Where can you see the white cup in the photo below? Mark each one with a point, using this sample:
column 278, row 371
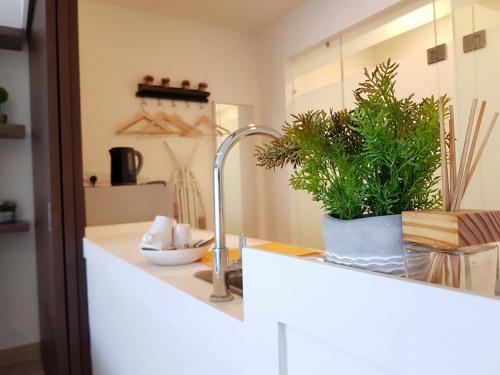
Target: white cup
column 182, row 236
column 161, row 231
column 152, row 241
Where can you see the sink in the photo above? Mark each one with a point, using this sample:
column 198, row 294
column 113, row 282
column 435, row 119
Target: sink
column 234, row 280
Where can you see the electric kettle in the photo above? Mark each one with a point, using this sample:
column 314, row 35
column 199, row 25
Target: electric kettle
column 124, row 168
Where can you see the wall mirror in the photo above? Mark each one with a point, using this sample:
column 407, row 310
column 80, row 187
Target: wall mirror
column 325, row 75
column 240, row 174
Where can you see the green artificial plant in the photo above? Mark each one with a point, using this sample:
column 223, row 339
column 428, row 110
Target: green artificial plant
column 378, row 159
column 7, row 206
column 4, row 96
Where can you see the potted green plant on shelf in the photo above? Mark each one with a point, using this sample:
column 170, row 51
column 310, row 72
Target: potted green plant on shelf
column 7, row 212
column 365, row 166
column 4, row 96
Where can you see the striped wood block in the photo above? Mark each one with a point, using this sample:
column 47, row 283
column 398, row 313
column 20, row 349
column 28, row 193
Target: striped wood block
column 451, row 230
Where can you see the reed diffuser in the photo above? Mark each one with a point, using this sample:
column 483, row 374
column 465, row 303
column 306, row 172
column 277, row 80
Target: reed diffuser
column 451, row 237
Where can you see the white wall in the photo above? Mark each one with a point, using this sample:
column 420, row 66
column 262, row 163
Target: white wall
column 18, row 288
column 309, row 24
column 13, row 13
column 118, row 46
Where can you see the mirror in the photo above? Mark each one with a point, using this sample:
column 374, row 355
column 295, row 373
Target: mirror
column 240, row 171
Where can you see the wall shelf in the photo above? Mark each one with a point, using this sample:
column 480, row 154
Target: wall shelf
column 12, row 131
column 173, row 93
column 12, row 38
column 16, row 227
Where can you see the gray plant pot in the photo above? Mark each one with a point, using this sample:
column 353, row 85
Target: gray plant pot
column 373, row 243
column 7, row 217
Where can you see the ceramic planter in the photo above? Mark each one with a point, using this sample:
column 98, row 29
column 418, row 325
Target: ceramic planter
column 7, row 217
column 373, row 243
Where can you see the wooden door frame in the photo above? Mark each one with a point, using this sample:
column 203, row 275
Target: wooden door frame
column 60, row 223
column 73, row 192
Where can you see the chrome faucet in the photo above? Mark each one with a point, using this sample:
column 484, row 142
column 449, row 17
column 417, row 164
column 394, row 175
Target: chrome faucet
column 220, row 256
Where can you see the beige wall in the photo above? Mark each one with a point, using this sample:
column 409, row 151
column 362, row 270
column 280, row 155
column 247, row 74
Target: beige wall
column 18, row 290
column 118, row 46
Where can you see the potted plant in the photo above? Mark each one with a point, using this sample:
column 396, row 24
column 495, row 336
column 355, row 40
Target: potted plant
column 365, row 166
column 4, row 96
column 7, row 212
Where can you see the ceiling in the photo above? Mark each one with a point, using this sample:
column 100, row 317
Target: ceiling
column 246, row 15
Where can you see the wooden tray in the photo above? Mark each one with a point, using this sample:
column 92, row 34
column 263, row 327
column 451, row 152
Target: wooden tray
column 451, row 230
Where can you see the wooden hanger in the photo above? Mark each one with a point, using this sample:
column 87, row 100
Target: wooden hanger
column 183, row 128
column 163, row 120
column 153, row 126
column 169, row 124
column 142, row 115
column 205, row 120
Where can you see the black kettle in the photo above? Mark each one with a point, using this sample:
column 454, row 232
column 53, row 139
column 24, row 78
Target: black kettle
column 124, row 169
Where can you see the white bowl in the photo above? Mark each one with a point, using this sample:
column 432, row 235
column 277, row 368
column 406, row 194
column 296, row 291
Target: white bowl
column 174, row 257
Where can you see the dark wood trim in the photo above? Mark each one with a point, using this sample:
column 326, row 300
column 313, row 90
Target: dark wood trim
column 12, row 38
column 57, row 165
column 73, row 193
column 47, row 183
column 57, row 169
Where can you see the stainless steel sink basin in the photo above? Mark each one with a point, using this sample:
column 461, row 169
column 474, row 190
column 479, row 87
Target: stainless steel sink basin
column 234, row 280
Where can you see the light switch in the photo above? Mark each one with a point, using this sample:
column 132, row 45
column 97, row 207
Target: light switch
column 474, row 41
column 436, row 54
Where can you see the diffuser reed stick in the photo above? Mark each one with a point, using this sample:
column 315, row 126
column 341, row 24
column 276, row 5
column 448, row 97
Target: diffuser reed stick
column 451, row 230
column 463, row 158
column 455, row 184
column 470, row 155
column 453, row 150
column 481, row 149
column 444, row 163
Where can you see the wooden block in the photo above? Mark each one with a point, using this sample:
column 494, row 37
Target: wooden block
column 451, row 230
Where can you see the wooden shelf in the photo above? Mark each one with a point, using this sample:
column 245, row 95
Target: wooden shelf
column 12, row 131
column 16, row 227
column 11, row 38
column 173, row 93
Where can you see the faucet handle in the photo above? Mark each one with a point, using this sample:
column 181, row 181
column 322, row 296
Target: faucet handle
column 242, row 244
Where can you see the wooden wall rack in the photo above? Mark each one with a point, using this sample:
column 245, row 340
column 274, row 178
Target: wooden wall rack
column 12, row 38
column 173, row 93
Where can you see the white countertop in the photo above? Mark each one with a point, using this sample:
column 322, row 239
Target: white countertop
column 122, row 241
column 301, row 317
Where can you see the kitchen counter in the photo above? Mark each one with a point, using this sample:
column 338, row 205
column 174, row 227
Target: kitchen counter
column 297, row 317
column 122, row 241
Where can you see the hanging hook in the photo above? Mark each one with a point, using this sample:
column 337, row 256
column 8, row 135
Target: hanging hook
column 173, row 103
column 143, row 104
column 160, row 104
column 187, row 104
column 201, row 106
